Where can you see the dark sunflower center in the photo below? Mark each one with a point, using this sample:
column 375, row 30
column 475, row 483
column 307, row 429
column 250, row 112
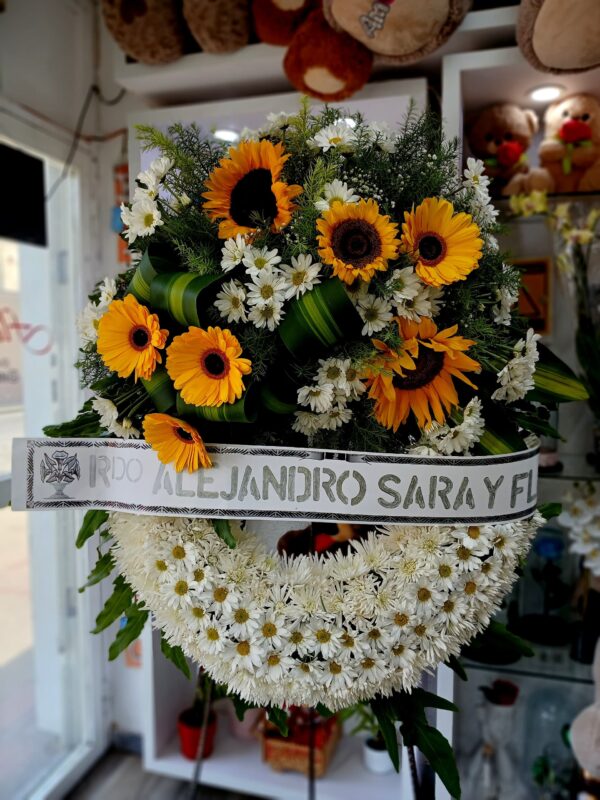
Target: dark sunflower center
column 184, row 435
column 140, row 337
column 428, row 364
column 215, row 364
column 356, row 242
column 252, row 198
column 432, row 248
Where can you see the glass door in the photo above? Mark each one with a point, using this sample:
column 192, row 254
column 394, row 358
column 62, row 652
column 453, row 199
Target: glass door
column 51, row 724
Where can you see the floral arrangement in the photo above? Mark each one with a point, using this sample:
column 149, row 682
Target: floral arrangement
column 326, row 282
column 577, row 239
column 581, row 517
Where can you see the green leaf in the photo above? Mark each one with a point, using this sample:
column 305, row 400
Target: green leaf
column 136, row 619
column 223, row 529
column 324, row 712
column 536, row 425
column 430, row 700
column 91, row 522
column 384, row 714
column 117, row 604
column 499, row 439
column 279, row 717
column 175, row 655
column 554, row 381
column 456, row 666
column 437, row 750
column 241, row 706
column 85, row 425
column 104, row 566
column 550, row 510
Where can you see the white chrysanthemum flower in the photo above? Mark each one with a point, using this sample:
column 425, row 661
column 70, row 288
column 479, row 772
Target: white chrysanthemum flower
column 160, row 166
column 273, row 630
column 275, row 667
column 475, row 538
column 106, row 410
column 306, row 422
column 326, row 638
column 266, row 316
column 108, row 290
column 461, row 437
column 257, row 259
column 180, row 202
column 277, row 120
column 87, row 323
column 249, row 135
column 333, row 371
column 355, row 386
column 416, row 307
column 336, row 191
column 475, row 176
column 338, row 135
column 246, row 654
column 375, row 312
column 435, row 295
column 516, row 377
column 380, row 134
column 211, row 638
column 506, row 300
column 150, row 185
column 233, row 252
column 109, row 414
column 334, row 418
column 266, row 287
column 404, row 284
column 142, row 219
column 301, row 275
column 318, row 397
column 230, row 301
column 338, row 675
column 357, row 290
column 125, row 429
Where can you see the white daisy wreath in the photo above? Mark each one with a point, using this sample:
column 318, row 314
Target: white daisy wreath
column 333, row 629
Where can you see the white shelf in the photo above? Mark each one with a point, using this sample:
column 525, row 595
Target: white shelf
column 258, row 68
column 238, row 766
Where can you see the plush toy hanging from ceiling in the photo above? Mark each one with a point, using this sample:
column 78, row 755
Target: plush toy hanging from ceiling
column 218, row 27
column 331, row 51
column 558, row 36
column 152, row 32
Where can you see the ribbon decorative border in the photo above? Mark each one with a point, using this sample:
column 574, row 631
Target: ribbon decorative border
column 296, row 484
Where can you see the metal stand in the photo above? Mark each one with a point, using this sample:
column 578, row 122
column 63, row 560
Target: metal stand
column 413, row 772
column 200, row 752
column 311, row 756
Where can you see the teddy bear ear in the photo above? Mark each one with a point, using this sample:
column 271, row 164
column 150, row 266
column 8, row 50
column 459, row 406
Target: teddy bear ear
column 276, row 21
column 556, row 36
column 400, row 32
column 152, row 32
column 324, row 63
column 218, row 27
column 532, row 120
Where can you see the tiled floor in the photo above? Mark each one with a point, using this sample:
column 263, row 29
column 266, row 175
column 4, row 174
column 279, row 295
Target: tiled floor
column 120, row 777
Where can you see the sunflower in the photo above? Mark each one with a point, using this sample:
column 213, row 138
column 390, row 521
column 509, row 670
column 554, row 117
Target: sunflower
column 245, row 189
column 427, row 388
column 176, row 442
column 445, row 246
column 356, row 240
column 206, row 367
column 129, row 338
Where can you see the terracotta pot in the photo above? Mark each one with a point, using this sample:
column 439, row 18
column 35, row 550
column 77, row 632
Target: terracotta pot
column 190, row 730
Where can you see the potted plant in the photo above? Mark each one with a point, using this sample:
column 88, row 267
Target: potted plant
column 375, row 755
column 198, row 723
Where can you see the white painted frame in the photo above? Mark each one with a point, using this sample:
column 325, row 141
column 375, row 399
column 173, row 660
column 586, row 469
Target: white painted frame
column 43, row 139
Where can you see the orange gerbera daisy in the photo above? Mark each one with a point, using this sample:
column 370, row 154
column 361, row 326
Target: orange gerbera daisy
column 176, row 442
column 427, row 388
column 244, row 190
column 356, row 240
column 206, row 367
column 445, row 246
column 129, row 338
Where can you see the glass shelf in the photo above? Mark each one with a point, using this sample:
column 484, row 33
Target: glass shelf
column 551, row 663
column 575, row 468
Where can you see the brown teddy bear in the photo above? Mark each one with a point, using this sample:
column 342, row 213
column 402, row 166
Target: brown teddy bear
column 150, row 31
column 276, row 21
column 500, row 136
column 219, row 26
column 570, row 150
column 560, row 35
column 324, row 63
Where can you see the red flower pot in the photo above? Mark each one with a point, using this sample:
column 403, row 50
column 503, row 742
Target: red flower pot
column 189, row 727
